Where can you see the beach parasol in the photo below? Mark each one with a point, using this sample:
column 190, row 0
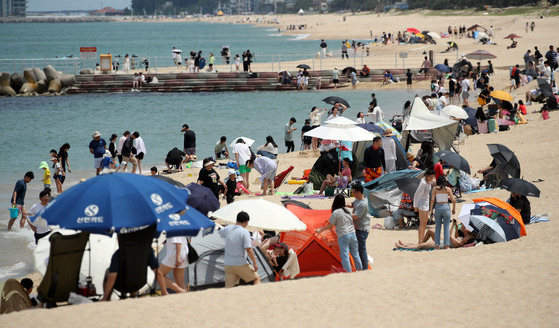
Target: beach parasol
column 111, row 202
column 408, row 185
column 454, row 159
column 487, row 229
column 188, row 224
column 452, row 44
column 502, row 95
column 454, row 111
column 519, row 186
column 344, row 132
column 333, row 99
column 413, row 30
column 169, row 180
column 434, row 35
column 304, row 66
column 349, row 69
column 510, row 225
column 202, row 198
column 263, row 215
column 248, row 141
column 506, row 159
column 480, row 55
column 177, row 51
column 475, row 27
column 442, row 68
column 512, row 36
column 371, row 127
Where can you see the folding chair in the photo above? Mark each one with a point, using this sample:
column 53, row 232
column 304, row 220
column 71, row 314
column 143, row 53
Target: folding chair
column 63, row 270
column 492, row 180
column 134, row 253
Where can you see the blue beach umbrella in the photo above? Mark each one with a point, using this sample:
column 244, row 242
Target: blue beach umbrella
column 202, row 199
column 113, row 202
column 188, row 224
column 442, row 68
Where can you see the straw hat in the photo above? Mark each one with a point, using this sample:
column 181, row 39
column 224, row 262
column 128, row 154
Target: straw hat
column 96, row 134
column 410, row 156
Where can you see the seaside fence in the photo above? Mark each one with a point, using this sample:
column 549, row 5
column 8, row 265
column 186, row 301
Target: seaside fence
column 272, row 63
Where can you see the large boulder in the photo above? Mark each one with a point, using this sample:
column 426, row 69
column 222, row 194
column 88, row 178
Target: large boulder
column 29, row 76
column 86, row 71
column 42, row 86
column 51, row 73
column 39, row 75
column 67, row 79
column 17, row 81
column 55, row 86
column 28, row 88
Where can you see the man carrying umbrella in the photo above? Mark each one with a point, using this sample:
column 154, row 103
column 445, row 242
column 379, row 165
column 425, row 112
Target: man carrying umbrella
column 237, row 246
column 373, row 160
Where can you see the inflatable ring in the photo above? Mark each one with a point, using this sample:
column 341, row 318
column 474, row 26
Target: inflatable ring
column 296, row 181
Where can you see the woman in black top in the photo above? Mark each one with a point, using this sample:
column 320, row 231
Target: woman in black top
column 209, row 178
column 522, row 205
column 112, row 146
column 63, row 157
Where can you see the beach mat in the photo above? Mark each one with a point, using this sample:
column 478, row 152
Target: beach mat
column 478, row 190
column 413, row 249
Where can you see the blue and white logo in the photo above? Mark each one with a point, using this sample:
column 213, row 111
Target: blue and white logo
column 91, row 210
column 156, row 199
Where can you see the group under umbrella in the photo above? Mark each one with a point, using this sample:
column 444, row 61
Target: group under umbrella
column 506, row 159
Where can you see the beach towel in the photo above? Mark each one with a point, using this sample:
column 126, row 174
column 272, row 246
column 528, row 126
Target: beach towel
column 291, row 267
column 539, row 218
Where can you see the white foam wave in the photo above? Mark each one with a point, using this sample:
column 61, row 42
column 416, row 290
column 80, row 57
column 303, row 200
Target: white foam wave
column 9, row 270
column 301, row 37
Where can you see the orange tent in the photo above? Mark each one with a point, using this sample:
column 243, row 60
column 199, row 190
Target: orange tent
column 506, row 206
column 316, row 255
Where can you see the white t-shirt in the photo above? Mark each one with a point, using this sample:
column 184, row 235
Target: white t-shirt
column 389, row 147
column 120, row 144
column 360, row 120
column 315, row 117
column 237, row 60
column 243, row 151
column 140, row 146
column 377, row 115
column 40, row 223
column 269, row 148
column 171, row 249
column 465, row 84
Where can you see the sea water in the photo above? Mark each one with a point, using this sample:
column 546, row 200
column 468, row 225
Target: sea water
column 32, row 126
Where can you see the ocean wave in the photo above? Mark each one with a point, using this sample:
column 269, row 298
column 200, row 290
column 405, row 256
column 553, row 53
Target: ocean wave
column 301, row 37
column 277, row 34
column 9, row 270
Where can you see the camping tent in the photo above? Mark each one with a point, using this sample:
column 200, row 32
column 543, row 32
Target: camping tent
column 383, row 195
column 359, row 147
column 209, row 270
column 316, row 254
column 327, row 163
column 301, row 12
column 442, row 129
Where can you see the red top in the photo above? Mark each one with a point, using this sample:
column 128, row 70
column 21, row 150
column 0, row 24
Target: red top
column 522, row 109
column 438, row 170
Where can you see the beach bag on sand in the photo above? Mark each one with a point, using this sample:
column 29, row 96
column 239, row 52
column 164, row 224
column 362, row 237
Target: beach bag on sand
column 545, row 115
column 389, row 223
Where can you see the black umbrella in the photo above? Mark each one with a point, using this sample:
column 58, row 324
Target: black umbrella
column 442, row 68
column 454, row 159
column 202, row 198
column 169, row 180
column 349, row 69
column 548, row 92
column 519, row 186
column 371, row 127
column 506, row 159
column 408, row 185
column 304, row 66
column 333, row 99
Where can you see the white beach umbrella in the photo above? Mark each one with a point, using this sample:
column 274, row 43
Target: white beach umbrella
column 263, row 215
column 341, row 121
column 454, row 111
column 248, row 141
column 346, row 132
column 434, row 35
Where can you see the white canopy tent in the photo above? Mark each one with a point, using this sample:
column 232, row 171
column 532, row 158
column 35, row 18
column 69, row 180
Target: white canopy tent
column 442, row 129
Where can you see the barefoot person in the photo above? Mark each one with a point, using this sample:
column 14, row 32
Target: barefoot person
column 267, row 168
column 421, row 202
column 175, row 260
column 439, row 204
column 461, row 238
column 18, row 198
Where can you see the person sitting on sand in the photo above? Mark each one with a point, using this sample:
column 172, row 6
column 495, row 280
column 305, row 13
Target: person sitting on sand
column 220, row 148
column 209, row 178
column 276, row 253
column 341, row 180
column 513, row 45
column 231, row 184
column 522, row 205
column 404, row 210
column 428, row 240
column 269, row 149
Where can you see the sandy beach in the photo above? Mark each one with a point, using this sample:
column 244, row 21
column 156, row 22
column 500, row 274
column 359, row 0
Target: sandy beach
column 501, row 285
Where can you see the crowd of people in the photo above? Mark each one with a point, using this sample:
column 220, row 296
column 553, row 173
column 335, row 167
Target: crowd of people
column 195, row 61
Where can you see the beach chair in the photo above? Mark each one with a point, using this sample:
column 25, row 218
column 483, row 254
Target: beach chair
column 134, row 253
column 280, row 178
column 63, row 269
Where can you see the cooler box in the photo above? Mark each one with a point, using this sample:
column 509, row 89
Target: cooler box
column 492, row 125
column 482, row 127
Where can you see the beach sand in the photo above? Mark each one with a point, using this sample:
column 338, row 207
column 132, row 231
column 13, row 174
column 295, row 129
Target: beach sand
column 499, row 285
